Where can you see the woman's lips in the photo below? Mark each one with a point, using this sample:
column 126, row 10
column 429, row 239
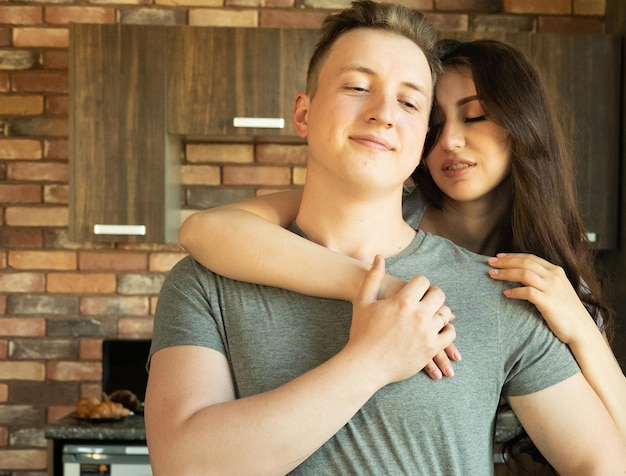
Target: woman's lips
column 454, row 169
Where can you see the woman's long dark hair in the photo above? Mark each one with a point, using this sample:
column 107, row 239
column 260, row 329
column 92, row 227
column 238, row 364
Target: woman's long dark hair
column 543, row 217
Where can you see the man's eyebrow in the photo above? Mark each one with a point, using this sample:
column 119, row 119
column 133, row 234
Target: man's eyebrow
column 371, row 72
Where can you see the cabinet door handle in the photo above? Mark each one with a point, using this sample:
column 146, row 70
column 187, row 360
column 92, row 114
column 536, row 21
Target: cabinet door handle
column 119, row 229
column 264, row 122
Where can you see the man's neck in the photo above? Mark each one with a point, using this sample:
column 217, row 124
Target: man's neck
column 357, row 226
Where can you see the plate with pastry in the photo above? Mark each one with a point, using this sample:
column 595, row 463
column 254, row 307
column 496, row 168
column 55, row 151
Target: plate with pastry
column 92, row 409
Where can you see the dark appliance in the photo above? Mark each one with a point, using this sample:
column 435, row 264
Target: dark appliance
column 124, row 365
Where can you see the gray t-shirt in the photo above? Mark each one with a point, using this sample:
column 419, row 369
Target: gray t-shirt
column 417, row 426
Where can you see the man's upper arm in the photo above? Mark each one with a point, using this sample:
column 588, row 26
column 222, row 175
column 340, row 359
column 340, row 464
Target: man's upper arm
column 572, row 429
column 182, row 381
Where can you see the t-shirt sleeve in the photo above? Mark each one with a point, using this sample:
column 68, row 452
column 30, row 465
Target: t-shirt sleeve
column 540, row 360
column 185, row 312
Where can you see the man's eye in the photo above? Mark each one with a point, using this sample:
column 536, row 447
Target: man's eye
column 358, row 89
column 476, row 119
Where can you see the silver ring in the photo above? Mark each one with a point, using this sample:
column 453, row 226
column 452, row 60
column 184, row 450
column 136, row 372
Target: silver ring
column 443, row 318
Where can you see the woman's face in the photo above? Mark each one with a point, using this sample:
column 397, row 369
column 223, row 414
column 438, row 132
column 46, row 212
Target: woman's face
column 471, row 157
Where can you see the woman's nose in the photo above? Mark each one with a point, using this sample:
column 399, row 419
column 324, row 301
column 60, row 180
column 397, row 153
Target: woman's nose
column 451, row 137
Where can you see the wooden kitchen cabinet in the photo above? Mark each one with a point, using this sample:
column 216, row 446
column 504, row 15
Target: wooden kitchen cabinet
column 218, row 75
column 129, row 82
column 583, row 73
column 122, row 162
column 138, row 92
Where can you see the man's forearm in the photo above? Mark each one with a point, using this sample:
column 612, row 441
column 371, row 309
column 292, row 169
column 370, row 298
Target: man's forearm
column 269, row 433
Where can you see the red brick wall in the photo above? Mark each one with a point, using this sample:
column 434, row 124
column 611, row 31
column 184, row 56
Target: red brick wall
column 58, row 299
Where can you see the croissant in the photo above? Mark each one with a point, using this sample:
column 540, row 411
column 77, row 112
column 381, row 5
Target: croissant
column 84, row 406
column 93, row 408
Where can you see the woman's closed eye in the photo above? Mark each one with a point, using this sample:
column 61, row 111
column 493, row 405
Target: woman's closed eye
column 475, row 119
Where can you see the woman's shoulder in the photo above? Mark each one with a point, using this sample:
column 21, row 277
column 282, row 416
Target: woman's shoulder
column 413, row 206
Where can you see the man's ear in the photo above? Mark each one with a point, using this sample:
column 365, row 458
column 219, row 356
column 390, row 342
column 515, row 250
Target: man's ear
column 300, row 115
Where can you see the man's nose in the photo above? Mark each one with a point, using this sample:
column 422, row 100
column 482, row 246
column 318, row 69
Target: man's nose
column 380, row 110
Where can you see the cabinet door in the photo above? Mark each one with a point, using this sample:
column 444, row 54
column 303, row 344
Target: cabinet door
column 218, row 76
column 122, row 185
column 583, row 74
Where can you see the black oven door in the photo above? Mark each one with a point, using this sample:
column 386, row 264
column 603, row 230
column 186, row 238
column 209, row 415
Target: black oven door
column 106, row 460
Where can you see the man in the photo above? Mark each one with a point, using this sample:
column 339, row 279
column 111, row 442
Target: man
column 248, row 379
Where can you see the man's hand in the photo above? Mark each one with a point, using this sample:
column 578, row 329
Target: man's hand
column 441, row 365
column 401, row 334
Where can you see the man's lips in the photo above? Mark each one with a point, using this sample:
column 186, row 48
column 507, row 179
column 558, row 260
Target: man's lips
column 372, row 141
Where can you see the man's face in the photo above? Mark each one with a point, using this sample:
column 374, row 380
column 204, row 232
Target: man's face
column 367, row 122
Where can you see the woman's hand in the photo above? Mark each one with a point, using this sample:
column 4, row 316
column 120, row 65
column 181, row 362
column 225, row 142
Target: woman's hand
column 441, row 365
column 547, row 287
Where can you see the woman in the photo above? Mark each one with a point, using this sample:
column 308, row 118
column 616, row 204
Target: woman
column 496, row 179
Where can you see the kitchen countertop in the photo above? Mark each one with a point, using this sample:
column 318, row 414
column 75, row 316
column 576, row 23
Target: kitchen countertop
column 73, row 428
column 132, row 428
column 507, row 426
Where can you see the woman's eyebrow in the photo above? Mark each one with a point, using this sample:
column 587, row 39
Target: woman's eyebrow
column 463, row 101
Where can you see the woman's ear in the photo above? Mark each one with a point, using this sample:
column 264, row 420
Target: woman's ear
column 300, row 115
